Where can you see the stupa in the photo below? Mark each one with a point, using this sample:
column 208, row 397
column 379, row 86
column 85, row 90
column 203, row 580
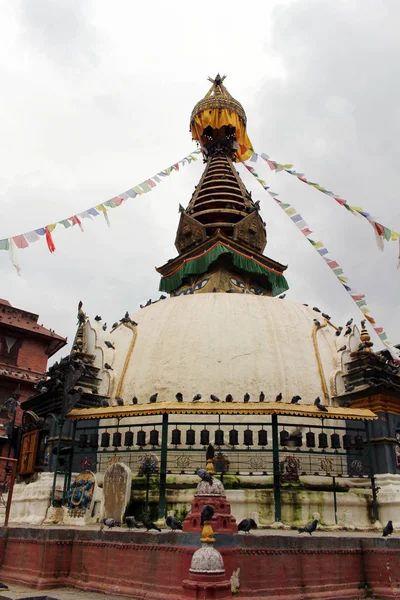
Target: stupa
column 225, row 344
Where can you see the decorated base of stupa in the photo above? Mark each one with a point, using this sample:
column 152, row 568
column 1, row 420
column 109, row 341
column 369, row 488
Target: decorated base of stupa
column 213, row 495
column 153, row 566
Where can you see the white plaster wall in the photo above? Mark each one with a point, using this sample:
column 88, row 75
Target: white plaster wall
column 219, row 344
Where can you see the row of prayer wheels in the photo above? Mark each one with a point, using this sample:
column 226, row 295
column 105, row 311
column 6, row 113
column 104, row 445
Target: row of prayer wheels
column 286, row 439
column 296, row 439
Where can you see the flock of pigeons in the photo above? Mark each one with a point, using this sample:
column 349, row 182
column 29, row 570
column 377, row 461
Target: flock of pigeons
column 207, row 514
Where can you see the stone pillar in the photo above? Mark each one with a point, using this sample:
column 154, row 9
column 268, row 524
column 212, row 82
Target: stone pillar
column 116, row 491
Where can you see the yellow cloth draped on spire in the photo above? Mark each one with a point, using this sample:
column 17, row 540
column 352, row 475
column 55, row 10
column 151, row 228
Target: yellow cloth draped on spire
column 217, row 118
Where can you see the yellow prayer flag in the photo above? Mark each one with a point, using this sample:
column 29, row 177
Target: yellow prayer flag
column 51, row 227
column 290, row 211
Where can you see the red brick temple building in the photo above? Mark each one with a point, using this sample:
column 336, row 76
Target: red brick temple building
column 25, row 347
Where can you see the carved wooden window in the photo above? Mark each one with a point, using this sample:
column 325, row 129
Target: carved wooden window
column 9, row 347
column 29, row 446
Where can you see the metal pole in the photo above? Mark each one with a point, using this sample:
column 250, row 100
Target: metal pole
column 14, row 463
column 163, row 467
column 334, row 498
column 371, row 466
column 275, row 457
column 68, row 473
column 146, row 506
column 60, row 423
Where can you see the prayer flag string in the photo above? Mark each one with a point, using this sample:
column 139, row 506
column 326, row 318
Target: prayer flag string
column 302, row 225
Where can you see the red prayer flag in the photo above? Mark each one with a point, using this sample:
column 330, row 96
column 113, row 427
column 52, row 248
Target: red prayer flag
column 271, row 164
column 378, row 227
column 340, row 200
column 370, row 319
column 117, row 201
column 20, row 241
column 302, row 179
column 49, row 241
column 333, row 264
column 74, row 220
column 378, row 330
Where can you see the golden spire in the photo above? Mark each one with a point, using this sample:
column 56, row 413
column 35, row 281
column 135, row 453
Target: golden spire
column 219, row 119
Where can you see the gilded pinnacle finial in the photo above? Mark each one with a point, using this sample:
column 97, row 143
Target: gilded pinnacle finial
column 218, row 79
column 366, row 343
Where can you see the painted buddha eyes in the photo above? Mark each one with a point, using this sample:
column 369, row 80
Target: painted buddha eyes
column 200, row 284
column 237, row 282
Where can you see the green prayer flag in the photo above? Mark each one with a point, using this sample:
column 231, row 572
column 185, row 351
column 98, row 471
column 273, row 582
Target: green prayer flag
column 387, row 234
column 4, row 244
column 66, row 223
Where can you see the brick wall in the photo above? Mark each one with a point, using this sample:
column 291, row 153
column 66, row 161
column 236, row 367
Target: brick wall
column 153, row 566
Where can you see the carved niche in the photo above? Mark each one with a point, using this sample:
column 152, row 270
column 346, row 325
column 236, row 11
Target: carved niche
column 190, row 232
column 251, row 231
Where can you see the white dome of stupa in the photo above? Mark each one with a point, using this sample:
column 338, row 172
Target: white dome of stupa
column 220, row 344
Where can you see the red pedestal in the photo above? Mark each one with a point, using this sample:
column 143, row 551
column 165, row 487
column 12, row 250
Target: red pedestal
column 222, row 521
column 201, row 586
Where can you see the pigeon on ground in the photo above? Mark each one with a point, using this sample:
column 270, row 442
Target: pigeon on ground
column 363, row 322
column 104, row 403
column 120, row 401
column 109, row 367
column 350, row 388
column 316, row 309
column 114, row 325
column 97, row 318
column 247, row 524
column 349, row 322
column 179, row 397
column 388, row 529
column 327, row 317
column 207, row 513
column 3, row 586
column 261, row 397
column 214, row 398
column 162, row 297
column 134, row 400
column 95, row 391
column 279, row 397
column 173, row 523
column 310, row 527
column 246, row 397
column 149, row 524
column 317, row 323
column 104, row 328
column 109, row 344
column 111, row 523
column 295, row 399
column 197, row 397
column 348, row 331
column 317, row 403
column 282, row 297
column 181, row 209
column 153, row 398
column 338, row 332
column 343, row 348
column 132, row 523
column 205, row 475
column 229, row 398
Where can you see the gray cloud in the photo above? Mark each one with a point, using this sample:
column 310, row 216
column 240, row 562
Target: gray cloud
column 317, row 80
column 61, row 30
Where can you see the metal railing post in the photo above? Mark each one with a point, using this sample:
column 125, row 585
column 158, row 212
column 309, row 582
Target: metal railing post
column 371, row 466
column 275, row 457
column 163, row 467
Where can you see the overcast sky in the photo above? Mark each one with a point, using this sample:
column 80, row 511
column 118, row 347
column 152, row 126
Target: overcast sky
column 96, row 97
